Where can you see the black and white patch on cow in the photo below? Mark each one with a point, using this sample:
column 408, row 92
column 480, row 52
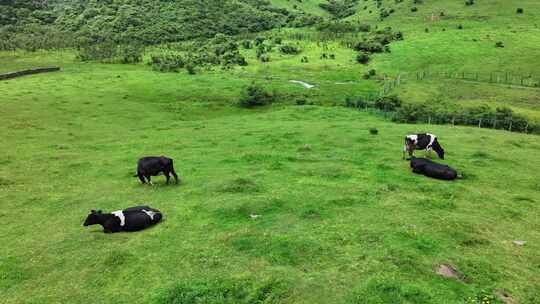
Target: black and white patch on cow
column 423, row 141
column 153, row 166
column 432, row 169
column 130, row 219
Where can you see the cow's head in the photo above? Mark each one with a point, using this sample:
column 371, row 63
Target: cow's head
column 440, row 152
column 93, row 218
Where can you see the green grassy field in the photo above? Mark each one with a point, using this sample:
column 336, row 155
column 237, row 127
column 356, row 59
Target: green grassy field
column 342, row 218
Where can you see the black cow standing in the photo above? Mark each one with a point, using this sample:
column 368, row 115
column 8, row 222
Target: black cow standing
column 432, row 169
column 424, row 141
column 153, row 166
column 131, row 219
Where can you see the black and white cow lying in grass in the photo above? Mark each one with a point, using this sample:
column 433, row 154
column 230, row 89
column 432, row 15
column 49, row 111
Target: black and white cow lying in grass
column 432, row 169
column 153, row 166
column 424, row 141
column 131, row 219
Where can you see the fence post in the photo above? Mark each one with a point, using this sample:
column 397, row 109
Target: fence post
column 453, row 121
column 506, row 80
column 494, row 123
column 490, row 77
column 480, row 123
column 510, row 128
column 462, row 75
column 429, row 120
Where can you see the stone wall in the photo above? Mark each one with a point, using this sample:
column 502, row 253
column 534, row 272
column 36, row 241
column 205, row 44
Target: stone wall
column 28, row 72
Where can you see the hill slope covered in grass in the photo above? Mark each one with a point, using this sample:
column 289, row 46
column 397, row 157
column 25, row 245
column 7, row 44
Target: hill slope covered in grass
column 449, row 37
column 341, row 219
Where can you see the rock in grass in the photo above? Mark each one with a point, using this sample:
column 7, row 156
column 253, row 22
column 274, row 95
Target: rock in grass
column 505, row 297
column 448, row 271
column 519, row 243
column 305, row 148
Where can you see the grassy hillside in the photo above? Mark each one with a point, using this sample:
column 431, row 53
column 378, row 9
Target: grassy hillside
column 447, row 48
column 342, row 218
column 309, row 6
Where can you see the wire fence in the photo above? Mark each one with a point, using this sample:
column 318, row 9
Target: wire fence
column 507, row 78
column 511, row 124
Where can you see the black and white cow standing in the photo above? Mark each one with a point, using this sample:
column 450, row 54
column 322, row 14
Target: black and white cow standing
column 130, row 219
column 423, row 141
column 153, row 166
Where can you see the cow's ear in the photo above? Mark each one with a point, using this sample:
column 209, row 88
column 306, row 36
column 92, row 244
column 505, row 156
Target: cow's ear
column 99, row 211
column 92, row 211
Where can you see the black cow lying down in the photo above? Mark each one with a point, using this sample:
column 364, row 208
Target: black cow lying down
column 153, row 166
column 432, row 169
column 131, row 219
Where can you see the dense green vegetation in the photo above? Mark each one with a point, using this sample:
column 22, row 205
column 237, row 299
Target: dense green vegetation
column 40, row 24
column 286, row 121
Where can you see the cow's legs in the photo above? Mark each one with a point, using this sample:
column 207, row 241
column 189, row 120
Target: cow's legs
column 149, row 180
column 141, row 177
column 167, row 176
column 175, row 176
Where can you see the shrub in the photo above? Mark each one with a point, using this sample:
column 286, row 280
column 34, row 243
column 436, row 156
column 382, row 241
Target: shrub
column 369, row 47
column 364, row 27
column 259, row 40
column 469, row 2
column 264, row 58
column 289, row 49
column 104, row 51
column 255, row 95
column 499, row 44
column 357, row 102
column 388, row 103
column 369, row 74
column 520, row 11
column 414, row 9
column 233, row 58
column 301, row 102
column 247, row 44
column 362, row 58
column 167, row 62
column 373, row 131
column 190, row 67
column 261, row 49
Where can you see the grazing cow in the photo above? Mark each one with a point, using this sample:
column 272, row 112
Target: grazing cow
column 425, row 141
column 131, row 219
column 153, row 166
column 432, row 169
